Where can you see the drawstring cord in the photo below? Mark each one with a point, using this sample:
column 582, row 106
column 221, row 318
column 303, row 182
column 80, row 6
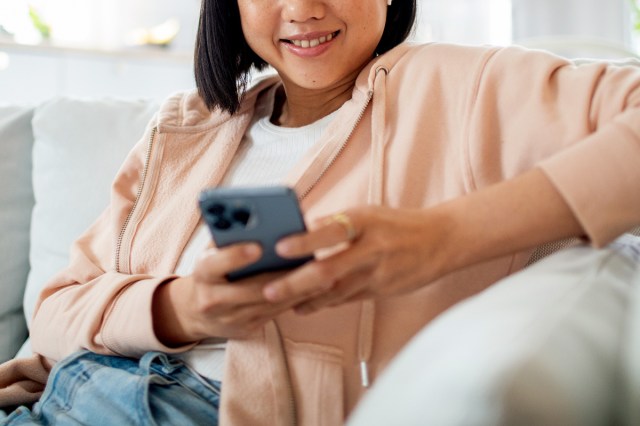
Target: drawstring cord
column 365, row 339
column 375, row 198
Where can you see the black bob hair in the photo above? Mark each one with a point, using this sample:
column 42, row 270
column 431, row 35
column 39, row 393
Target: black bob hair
column 223, row 59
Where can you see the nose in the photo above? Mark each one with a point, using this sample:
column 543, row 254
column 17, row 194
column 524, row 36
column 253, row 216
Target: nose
column 303, row 10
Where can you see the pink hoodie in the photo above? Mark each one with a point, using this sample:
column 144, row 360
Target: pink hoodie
column 425, row 124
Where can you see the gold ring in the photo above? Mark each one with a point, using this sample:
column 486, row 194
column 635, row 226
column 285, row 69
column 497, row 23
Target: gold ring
column 346, row 223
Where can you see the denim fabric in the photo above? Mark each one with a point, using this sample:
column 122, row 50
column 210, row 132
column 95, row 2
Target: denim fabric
column 91, row 389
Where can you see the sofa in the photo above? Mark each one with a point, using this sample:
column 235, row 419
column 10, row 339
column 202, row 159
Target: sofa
column 57, row 162
column 56, row 169
column 555, row 344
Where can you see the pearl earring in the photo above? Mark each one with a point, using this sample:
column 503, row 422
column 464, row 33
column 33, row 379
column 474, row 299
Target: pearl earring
column 389, row 2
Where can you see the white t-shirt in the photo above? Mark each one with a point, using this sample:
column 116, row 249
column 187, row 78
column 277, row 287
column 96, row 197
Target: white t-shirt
column 265, row 156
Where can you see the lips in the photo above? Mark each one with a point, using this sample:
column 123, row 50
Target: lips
column 307, row 43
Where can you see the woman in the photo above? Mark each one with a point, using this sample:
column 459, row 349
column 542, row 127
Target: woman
column 426, row 173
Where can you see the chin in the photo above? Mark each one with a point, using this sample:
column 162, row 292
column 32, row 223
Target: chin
column 314, row 82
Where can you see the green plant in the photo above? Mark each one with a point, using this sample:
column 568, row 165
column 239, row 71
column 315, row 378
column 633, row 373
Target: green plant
column 43, row 28
column 635, row 10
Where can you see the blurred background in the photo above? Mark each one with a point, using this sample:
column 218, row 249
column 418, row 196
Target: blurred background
column 143, row 48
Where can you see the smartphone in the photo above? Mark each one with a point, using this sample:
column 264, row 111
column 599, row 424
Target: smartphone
column 263, row 215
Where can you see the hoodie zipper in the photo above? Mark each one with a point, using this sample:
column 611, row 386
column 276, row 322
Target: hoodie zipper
column 302, row 195
column 306, row 192
column 147, row 161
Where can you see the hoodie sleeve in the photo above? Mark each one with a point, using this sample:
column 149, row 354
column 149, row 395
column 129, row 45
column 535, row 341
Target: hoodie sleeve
column 73, row 310
column 579, row 123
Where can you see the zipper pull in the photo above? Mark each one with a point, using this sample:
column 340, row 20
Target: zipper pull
column 364, row 374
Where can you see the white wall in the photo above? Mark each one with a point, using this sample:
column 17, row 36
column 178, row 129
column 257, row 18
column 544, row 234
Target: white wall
column 605, row 19
column 464, row 21
column 105, row 23
column 33, row 75
column 575, row 28
column 97, row 64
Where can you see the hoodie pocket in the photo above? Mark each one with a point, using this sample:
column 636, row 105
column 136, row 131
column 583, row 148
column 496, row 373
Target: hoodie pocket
column 318, row 383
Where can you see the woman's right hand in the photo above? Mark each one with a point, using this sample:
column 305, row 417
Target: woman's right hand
column 205, row 304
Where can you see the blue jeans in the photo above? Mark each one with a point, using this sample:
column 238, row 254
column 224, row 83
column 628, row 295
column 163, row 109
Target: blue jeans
column 91, row 389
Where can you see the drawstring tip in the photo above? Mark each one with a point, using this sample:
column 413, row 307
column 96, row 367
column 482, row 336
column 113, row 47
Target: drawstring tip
column 364, row 374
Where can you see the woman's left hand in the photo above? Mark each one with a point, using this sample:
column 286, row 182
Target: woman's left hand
column 393, row 251
column 385, row 251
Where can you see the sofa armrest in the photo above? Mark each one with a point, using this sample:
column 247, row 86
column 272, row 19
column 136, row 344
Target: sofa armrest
column 542, row 346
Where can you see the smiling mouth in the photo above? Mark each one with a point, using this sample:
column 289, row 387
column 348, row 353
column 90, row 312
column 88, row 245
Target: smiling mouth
column 314, row 42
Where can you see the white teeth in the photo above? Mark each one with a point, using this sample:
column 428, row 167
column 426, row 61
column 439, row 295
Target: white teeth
column 312, row 43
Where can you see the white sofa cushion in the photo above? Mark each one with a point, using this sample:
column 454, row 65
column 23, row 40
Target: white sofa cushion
column 629, row 371
column 16, row 201
column 79, row 146
column 539, row 347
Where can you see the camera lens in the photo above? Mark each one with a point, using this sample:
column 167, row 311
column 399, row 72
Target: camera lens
column 222, row 224
column 216, row 209
column 241, row 215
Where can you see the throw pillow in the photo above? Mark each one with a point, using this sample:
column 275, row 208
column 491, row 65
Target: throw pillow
column 79, row 147
column 16, row 201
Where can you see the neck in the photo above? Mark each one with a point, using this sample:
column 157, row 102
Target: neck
column 296, row 106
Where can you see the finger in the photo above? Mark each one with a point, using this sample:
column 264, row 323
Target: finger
column 343, row 292
column 256, row 317
column 248, row 318
column 260, row 312
column 325, row 232
column 214, row 264
column 224, row 297
column 235, row 295
column 316, row 276
column 314, row 305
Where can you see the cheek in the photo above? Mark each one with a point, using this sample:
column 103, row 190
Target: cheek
column 370, row 21
column 378, row 21
column 253, row 21
column 370, row 32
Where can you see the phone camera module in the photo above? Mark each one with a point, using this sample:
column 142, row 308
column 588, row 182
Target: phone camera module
column 222, row 224
column 216, row 209
column 241, row 216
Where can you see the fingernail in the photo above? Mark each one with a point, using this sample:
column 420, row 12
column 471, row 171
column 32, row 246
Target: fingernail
column 271, row 293
column 283, row 248
column 252, row 250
